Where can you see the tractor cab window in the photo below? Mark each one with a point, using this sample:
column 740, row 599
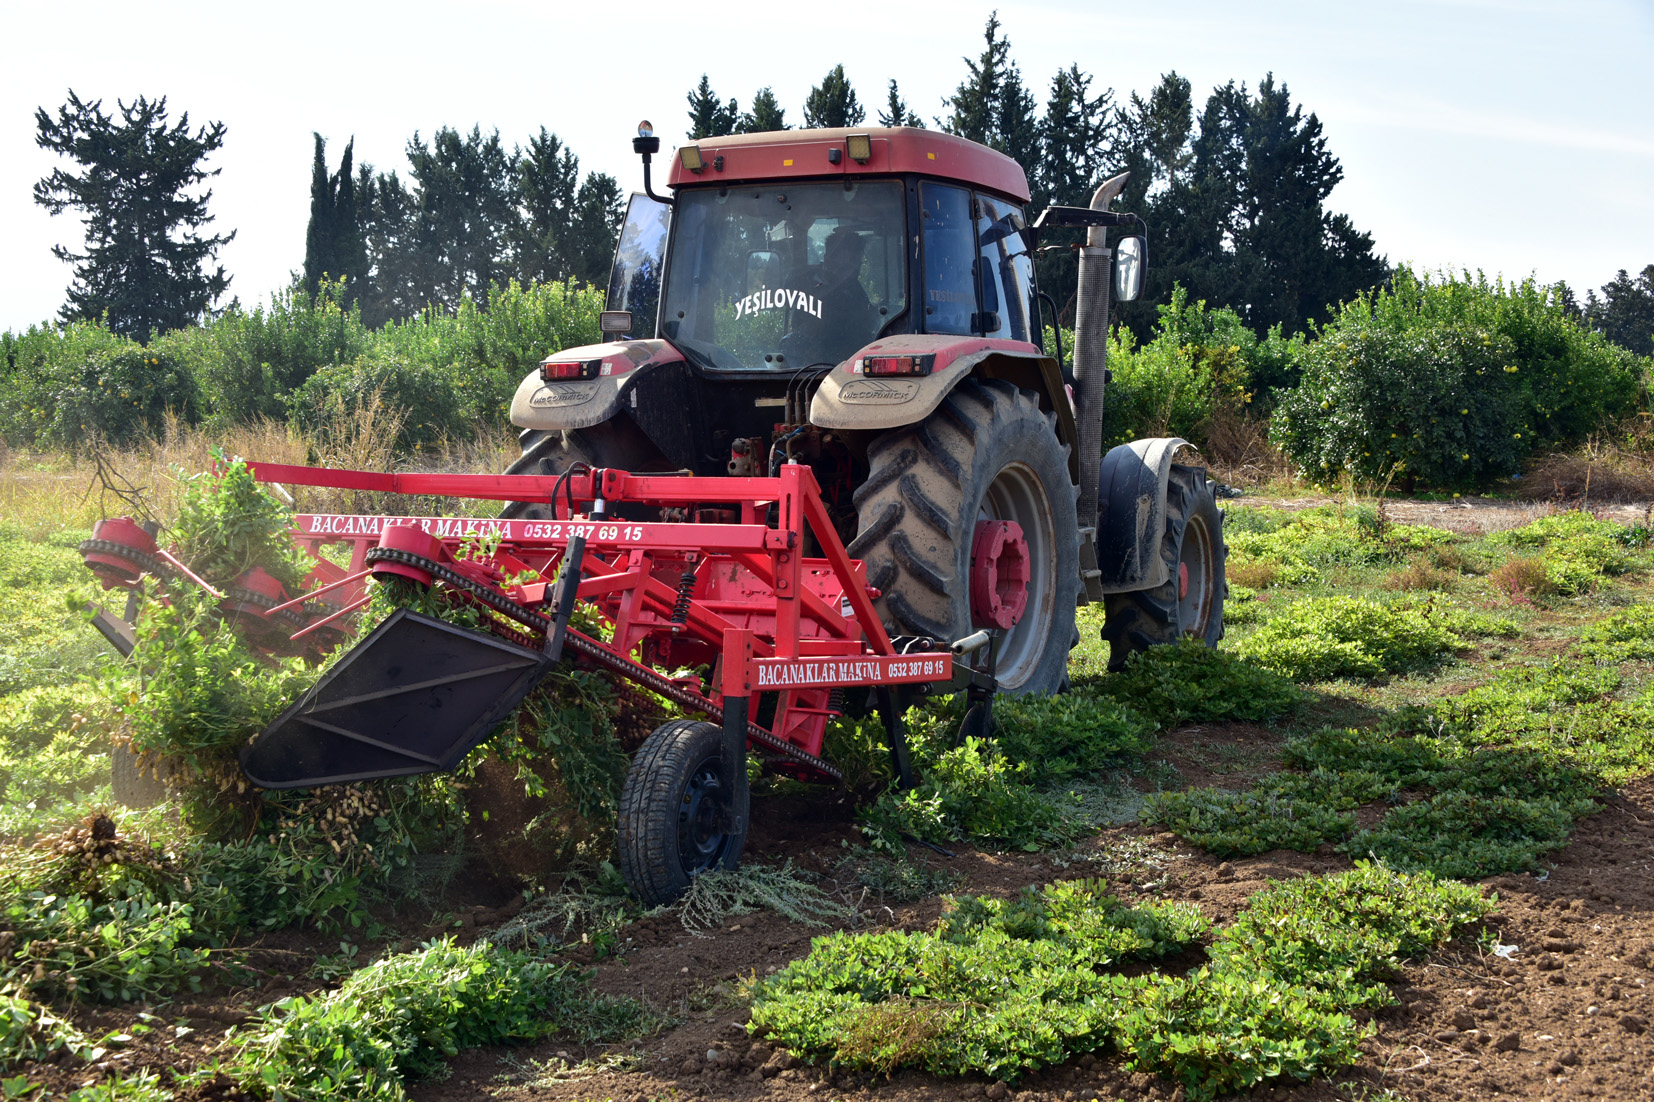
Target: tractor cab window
column 634, row 281
column 1006, row 272
column 784, row 278
column 950, row 255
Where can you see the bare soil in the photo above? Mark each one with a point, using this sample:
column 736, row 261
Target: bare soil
column 1555, row 1004
column 1563, row 1014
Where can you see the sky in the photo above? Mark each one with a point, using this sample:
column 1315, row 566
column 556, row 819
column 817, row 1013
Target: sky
column 1509, row 136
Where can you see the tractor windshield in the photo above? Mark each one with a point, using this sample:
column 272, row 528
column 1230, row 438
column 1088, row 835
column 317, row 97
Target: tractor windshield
column 784, row 278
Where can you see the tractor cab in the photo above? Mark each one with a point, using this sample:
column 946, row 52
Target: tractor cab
column 792, row 251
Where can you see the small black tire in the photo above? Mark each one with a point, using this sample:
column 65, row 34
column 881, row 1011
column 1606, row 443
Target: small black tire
column 988, row 452
column 673, row 811
column 1193, row 539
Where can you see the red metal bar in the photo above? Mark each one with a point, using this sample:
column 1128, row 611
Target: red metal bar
column 187, row 572
column 314, row 593
column 346, row 611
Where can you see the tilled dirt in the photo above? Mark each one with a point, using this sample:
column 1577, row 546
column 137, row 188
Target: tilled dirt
column 1555, row 1003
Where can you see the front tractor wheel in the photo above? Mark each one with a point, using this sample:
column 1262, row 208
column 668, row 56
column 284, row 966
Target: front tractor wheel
column 675, row 819
column 929, row 507
column 1190, row 602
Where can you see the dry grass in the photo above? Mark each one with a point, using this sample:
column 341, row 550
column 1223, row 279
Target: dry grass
column 1614, row 467
column 46, row 492
column 1240, row 453
column 1252, row 575
column 1522, row 578
column 1419, row 575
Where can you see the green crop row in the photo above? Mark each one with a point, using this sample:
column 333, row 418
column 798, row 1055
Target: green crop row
column 1004, row 987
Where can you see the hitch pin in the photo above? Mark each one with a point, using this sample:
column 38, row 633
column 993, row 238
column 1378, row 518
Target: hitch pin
column 974, row 641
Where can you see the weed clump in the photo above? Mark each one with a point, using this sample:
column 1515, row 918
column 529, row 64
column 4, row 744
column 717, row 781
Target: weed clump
column 1319, row 639
column 1626, row 636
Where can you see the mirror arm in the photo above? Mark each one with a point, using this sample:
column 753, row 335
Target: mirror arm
column 649, row 191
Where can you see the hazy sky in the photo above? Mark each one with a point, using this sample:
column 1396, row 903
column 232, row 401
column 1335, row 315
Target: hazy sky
column 1512, row 136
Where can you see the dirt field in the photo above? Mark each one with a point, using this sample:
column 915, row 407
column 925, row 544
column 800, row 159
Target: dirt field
column 1556, row 1004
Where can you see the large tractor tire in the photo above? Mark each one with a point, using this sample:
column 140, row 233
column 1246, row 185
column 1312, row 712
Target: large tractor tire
column 672, row 822
column 1190, row 601
column 988, row 452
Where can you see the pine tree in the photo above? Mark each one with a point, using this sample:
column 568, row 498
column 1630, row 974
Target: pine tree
column 896, row 112
column 467, row 214
column 766, row 114
column 1294, row 258
column 976, row 102
column 598, row 211
column 1625, row 313
column 145, row 263
column 832, row 103
column 1017, row 126
column 1076, row 137
column 708, row 118
column 548, row 174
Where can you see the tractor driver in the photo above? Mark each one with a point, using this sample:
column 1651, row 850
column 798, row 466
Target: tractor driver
column 846, row 318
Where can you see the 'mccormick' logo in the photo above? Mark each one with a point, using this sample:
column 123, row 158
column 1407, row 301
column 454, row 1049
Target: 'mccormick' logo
column 562, row 394
column 877, row 392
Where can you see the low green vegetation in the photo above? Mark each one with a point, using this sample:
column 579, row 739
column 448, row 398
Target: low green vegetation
column 1004, row 987
column 403, row 1016
column 446, row 373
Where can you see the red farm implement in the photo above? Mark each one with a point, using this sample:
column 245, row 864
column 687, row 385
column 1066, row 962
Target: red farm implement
column 752, row 586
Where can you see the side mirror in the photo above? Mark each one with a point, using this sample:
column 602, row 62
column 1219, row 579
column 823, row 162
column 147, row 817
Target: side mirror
column 615, row 321
column 1129, row 258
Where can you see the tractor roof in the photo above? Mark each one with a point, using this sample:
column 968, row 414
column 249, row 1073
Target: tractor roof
column 802, row 154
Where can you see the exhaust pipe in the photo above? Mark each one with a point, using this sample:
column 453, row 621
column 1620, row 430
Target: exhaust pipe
column 1091, row 350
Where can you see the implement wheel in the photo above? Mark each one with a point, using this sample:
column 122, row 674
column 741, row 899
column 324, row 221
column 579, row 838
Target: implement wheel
column 989, row 453
column 674, row 814
column 1190, row 602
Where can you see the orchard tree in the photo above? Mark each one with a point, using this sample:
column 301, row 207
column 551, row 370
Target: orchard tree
column 147, row 264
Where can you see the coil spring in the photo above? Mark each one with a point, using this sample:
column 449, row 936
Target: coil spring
column 686, row 592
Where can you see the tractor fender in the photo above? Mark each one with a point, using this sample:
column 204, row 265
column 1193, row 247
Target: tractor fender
column 581, row 403
column 1131, row 513
column 849, row 399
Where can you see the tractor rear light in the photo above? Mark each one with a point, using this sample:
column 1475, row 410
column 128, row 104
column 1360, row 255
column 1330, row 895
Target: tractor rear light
column 897, row 365
column 690, row 157
column 575, row 369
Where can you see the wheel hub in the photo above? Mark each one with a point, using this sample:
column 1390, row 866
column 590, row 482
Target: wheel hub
column 999, row 574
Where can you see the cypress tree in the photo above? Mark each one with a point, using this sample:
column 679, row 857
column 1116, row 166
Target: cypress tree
column 318, row 237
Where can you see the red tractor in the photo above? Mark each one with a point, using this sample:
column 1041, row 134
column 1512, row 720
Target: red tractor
column 863, row 301
column 825, row 459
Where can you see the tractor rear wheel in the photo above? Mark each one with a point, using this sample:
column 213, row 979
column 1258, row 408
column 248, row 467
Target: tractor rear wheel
column 987, row 453
column 1190, row 601
column 674, row 816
